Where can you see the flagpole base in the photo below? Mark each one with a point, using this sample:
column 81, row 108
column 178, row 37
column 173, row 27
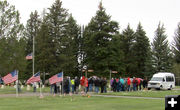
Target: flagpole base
column 41, row 96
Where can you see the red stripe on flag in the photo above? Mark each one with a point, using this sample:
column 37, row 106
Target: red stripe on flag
column 33, row 79
column 9, row 79
column 55, row 79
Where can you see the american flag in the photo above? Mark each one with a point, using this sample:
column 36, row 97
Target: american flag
column 34, row 78
column 56, row 78
column 29, row 56
column 11, row 77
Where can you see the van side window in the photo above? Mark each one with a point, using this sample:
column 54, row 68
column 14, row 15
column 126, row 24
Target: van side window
column 167, row 79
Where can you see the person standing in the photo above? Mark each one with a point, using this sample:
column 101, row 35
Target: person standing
column 66, row 85
column 134, row 84
column 76, row 87
column 34, row 87
column 114, row 85
column 111, row 83
column 72, row 85
column 97, row 84
column 145, row 82
column 90, row 82
column 129, row 84
column 86, row 85
column 121, row 84
column 105, row 85
column 58, row 87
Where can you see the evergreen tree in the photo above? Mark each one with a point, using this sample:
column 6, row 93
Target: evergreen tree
column 71, row 50
column 162, row 57
column 177, row 44
column 127, row 38
column 142, row 51
column 44, row 50
column 57, row 22
column 99, row 35
column 32, row 28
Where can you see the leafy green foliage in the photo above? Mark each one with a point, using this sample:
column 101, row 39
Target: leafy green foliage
column 12, row 43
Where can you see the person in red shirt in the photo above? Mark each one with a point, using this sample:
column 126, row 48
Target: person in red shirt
column 129, row 84
column 82, row 82
column 86, row 84
column 137, row 83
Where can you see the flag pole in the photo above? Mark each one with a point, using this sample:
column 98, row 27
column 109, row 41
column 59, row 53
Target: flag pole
column 40, row 92
column 41, row 96
column 33, row 52
column 17, row 84
column 62, row 83
column 110, row 80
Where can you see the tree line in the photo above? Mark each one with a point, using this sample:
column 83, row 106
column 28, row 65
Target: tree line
column 63, row 45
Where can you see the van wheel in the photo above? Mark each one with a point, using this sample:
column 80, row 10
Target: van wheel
column 170, row 88
column 161, row 87
column 149, row 88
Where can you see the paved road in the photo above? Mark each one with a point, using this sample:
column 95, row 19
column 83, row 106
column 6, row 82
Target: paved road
column 48, row 94
column 24, row 94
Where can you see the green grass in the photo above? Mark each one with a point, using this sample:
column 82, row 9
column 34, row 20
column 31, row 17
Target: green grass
column 12, row 90
column 79, row 103
column 177, row 87
column 153, row 93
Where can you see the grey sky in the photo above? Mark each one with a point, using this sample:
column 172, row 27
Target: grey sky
column 148, row 12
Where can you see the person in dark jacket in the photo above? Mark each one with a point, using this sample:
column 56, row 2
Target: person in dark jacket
column 97, row 84
column 105, row 85
column 145, row 82
column 114, row 85
column 90, row 82
column 76, row 86
column 66, row 85
column 102, row 84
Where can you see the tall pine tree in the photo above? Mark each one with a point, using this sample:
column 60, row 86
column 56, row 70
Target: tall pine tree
column 99, row 35
column 44, row 50
column 71, row 50
column 177, row 44
column 127, row 38
column 162, row 58
column 57, row 22
column 31, row 31
column 142, row 51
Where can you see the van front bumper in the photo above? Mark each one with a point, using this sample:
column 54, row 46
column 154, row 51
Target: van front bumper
column 157, row 86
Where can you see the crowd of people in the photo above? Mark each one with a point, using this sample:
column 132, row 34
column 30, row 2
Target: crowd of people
column 94, row 84
column 128, row 84
column 98, row 85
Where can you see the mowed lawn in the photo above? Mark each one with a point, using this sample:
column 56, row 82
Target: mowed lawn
column 79, row 103
column 147, row 93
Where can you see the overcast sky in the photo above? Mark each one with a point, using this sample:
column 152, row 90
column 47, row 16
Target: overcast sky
column 148, row 12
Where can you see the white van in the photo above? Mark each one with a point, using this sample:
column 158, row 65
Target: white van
column 162, row 80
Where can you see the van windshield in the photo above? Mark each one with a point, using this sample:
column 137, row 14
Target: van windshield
column 157, row 79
